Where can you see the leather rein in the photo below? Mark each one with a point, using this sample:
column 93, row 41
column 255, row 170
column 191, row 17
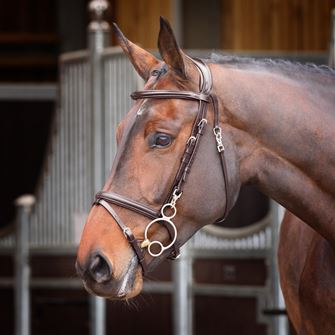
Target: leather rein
column 168, row 209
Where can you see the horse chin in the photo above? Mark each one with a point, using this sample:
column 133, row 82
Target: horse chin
column 126, row 287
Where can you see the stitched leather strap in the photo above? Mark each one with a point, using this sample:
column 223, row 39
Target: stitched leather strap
column 127, row 233
column 132, row 205
column 103, row 198
column 165, row 94
column 222, row 160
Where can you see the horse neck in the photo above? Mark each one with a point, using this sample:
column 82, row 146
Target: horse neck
column 283, row 132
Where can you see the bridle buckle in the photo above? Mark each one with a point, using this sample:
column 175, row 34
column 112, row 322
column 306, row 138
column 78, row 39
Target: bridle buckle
column 201, row 124
column 218, row 137
column 126, row 232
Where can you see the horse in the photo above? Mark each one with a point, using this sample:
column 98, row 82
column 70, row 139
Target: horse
column 197, row 132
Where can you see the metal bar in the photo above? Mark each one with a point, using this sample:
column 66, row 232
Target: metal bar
column 157, row 288
column 229, row 290
column 182, row 296
column 229, row 253
column 57, row 250
column 52, row 283
column 74, row 56
column 331, row 56
column 29, row 92
column 24, row 206
column 279, row 324
column 98, row 315
column 99, row 38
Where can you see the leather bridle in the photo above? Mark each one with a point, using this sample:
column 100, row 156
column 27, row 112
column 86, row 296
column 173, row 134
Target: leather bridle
column 168, row 209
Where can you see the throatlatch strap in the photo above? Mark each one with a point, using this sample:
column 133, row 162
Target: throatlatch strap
column 222, row 159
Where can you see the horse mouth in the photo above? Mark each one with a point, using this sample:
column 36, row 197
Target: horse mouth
column 125, row 287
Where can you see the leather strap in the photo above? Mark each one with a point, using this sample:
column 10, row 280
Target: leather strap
column 132, row 205
column 222, row 160
column 103, row 198
column 127, row 233
column 165, row 94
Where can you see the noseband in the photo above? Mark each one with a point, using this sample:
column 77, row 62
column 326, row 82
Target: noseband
column 169, row 210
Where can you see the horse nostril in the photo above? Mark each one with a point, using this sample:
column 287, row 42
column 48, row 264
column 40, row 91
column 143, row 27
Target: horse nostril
column 100, row 269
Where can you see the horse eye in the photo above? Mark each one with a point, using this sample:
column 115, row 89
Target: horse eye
column 161, row 140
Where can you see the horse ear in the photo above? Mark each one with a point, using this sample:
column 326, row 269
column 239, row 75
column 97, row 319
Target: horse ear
column 169, row 49
column 142, row 60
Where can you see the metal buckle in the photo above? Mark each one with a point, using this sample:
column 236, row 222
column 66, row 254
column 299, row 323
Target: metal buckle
column 174, row 256
column 126, row 231
column 202, row 123
column 218, row 136
column 175, row 196
column 190, row 139
column 220, row 148
column 217, row 131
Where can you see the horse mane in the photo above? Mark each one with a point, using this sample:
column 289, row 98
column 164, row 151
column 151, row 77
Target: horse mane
column 322, row 74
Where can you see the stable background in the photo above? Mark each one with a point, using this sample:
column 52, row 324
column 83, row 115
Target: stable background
column 33, row 33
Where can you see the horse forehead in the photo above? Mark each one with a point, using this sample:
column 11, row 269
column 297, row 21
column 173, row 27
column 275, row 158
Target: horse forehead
column 164, row 109
column 156, row 110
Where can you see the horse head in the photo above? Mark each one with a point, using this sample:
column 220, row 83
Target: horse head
column 171, row 174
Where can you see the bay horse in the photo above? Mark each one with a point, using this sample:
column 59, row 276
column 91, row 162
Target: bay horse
column 198, row 131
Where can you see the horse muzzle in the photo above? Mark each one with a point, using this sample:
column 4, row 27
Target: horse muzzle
column 99, row 278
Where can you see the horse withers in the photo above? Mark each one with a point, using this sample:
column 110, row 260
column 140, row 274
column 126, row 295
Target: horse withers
column 198, row 131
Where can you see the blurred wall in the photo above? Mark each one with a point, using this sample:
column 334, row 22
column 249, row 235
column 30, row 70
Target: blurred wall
column 302, row 25
column 283, row 25
column 139, row 20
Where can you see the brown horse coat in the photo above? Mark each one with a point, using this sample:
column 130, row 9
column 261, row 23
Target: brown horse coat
column 307, row 273
column 278, row 124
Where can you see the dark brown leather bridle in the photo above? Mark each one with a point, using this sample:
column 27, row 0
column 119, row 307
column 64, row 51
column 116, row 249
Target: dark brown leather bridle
column 168, row 209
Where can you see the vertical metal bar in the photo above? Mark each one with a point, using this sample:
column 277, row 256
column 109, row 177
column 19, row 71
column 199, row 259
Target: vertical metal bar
column 98, row 315
column 88, row 134
column 279, row 324
column 98, row 38
column 65, row 99
column 182, row 294
column 24, row 206
column 331, row 59
column 108, row 111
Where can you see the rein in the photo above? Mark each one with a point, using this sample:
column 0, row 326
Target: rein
column 169, row 210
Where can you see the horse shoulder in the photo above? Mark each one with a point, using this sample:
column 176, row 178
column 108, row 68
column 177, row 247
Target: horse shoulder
column 307, row 277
